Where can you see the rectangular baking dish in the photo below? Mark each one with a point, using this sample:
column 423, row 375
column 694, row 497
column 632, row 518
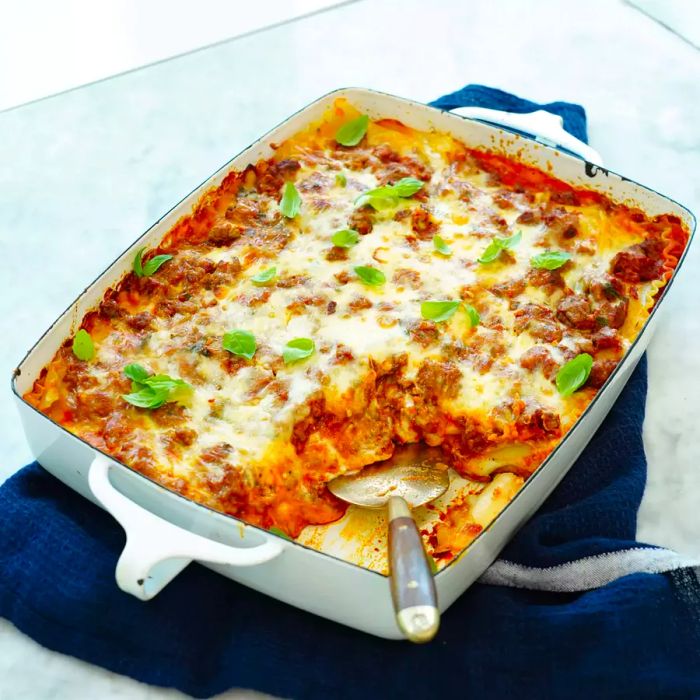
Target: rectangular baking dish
column 165, row 531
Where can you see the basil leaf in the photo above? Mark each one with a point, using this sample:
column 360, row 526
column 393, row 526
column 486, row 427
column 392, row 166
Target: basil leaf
column 290, row 204
column 137, row 267
column 152, row 391
column 241, row 343
column 346, row 238
column 152, row 265
column 370, row 275
column 407, row 186
column 298, row 349
column 550, row 259
column 573, row 374
column 341, row 180
column 280, row 533
column 264, row 277
column 438, row 310
column 351, row 133
column 136, row 373
column 388, row 196
column 473, row 314
column 441, row 247
column 493, row 250
column 147, row 397
column 83, row 347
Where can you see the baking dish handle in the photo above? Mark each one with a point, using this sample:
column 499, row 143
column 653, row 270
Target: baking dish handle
column 547, row 128
column 156, row 550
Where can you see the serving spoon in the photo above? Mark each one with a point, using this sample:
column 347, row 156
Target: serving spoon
column 414, row 476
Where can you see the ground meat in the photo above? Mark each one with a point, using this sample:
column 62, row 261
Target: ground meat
column 535, row 420
column 109, row 308
column 529, row 218
column 538, row 321
column 360, row 303
column 612, row 313
column 600, row 371
column 272, row 175
column 300, row 304
column 332, row 306
column 392, row 166
column 253, row 299
column 509, row 289
column 424, row 333
column 343, row 355
column 218, row 454
column 539, row 357
column 438, row 380
column 223, row 274
column 567, row 197
column 639, row 263
column 184, row 436
column 342, row 277
column 291, row 281
column 539, row 277
column 607, row 338
column 140, row 322
column 337, row 253
column 94, row 403
column 362, row 220
column 223, row 234
column 270, row 239
column 575, row 311
column 563, row 225
column 244, row 212
column 406, row 277
column 316, row 182
column 502, row 201
column 422, row 223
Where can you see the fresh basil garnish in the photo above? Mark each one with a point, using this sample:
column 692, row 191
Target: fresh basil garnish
column 152, row 390
column 388, row 196
column 370, row 275
column 341, row 180
column 473, row 314
column 151, row 266
column 346, row 238
column 280, row 533
column 493, row 250
column 439, row 310
column 441, row 247
column 290, row 204
column 83, row 347
column 264, row 277
column 298, row 349
column 351, row 133
column 241, row 343
column 550, row 259
column 573, row 374
column 137, row 373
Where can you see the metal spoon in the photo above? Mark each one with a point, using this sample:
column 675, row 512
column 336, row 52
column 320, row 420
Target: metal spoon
column 414, row 476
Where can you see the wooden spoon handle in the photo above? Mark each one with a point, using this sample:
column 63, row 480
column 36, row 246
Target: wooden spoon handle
column 412, row 584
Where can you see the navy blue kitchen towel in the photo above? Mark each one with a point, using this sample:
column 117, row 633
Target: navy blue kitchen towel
column 574, row 609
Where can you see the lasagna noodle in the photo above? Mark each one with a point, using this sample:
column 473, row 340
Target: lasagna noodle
column 258, row 438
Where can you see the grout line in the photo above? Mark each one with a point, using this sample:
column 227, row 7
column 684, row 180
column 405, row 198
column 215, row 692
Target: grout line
column 244, row 35
column 656, row 20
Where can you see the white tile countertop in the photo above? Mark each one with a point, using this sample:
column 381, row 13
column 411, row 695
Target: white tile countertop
column 83, row 173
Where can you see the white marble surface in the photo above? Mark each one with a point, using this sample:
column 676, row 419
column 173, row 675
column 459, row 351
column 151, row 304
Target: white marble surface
column 83, row 173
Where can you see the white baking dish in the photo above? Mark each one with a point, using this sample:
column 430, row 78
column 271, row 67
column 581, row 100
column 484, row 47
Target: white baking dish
column 165, row 531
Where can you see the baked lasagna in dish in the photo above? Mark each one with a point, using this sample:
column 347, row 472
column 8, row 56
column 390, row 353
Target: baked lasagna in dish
column 368, row 286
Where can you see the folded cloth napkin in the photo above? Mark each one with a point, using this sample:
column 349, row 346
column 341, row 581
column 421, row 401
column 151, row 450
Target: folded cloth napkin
column 579, row 608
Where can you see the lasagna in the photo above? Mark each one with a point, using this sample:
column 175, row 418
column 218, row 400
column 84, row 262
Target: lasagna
column 370, row 285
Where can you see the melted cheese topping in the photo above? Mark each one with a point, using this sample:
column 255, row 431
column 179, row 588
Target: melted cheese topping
column 259, row 439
